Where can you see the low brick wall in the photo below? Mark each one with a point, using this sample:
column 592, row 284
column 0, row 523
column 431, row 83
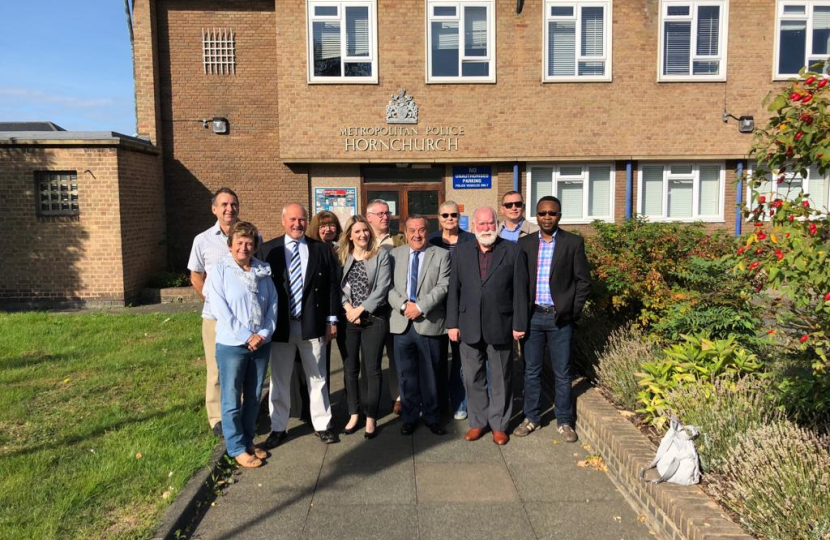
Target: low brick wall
column 171, row 295
column 675, row 512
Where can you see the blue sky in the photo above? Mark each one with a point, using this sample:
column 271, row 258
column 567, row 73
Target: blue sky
column 67, row 61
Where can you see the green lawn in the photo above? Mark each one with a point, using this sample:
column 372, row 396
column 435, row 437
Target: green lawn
column 100, row 415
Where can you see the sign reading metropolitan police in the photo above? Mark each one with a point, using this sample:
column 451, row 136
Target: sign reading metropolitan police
column 471, row 178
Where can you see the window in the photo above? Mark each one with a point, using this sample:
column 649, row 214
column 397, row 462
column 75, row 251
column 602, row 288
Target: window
column 681, row 192
column 693, row 40
column 460, row 42
column 219, row 52
column 816, row 187
column 802, row 36
column 57, row 193
column 577, row 41
column 342, row 44
column 586, row 191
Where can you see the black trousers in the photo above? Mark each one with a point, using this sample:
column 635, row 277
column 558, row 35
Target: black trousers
column 369, row 338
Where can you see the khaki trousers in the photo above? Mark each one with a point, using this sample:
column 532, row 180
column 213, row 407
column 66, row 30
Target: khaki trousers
column 213, row 402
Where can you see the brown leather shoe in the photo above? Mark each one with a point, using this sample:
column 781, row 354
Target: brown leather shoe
column 396, row 408
column 474, row 434
column 500, row 438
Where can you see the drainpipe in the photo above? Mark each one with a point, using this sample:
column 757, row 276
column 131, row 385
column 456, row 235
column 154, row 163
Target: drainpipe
column 739, row 199
column 629, row 183
column 515, row 177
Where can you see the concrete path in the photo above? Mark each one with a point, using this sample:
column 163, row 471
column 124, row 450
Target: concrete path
column 422, row 487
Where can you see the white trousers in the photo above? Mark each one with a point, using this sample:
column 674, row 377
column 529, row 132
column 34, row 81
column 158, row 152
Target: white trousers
column 313, row 356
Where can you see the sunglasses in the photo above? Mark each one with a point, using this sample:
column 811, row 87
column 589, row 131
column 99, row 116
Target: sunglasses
column 546, row 214
column 450, row 215
column 518, row 204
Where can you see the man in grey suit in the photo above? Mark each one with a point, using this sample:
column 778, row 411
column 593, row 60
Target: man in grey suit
column 487, row 308
column 421, row 276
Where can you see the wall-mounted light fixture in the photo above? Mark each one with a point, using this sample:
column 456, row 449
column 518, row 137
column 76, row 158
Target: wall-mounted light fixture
column 746, row 124
column 220, row 125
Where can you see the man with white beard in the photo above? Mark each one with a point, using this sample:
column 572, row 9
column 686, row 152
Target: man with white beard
column 487, row 308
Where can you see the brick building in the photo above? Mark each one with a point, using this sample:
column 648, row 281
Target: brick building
column 84, row 220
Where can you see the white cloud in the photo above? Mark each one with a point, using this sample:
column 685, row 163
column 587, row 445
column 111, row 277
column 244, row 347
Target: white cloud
column 29, row 96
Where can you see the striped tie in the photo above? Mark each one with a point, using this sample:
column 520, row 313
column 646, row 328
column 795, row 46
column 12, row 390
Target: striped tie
column 295, row 272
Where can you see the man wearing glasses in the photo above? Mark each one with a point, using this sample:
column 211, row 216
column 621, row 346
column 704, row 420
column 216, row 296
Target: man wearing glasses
column 378, row 216
column 559, row 285
column 514, row 225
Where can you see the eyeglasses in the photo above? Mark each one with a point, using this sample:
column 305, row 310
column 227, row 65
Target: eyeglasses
column 517, row 204
column 450, row 215
column 381, row 213
column 546, row 214
column 329, row 226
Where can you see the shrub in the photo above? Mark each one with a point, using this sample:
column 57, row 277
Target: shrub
column 777, row 479
column 635, row 264
column 591, row 339
column 163, row 280
column 627, row 349
column 696, row 360
column 723, row 411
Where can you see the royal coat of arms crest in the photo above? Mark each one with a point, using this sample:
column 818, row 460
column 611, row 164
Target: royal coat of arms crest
column 401, row 109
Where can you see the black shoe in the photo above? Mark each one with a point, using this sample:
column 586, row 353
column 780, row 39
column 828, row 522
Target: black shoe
column 274, row 439
column 372, row 435
column 327, row 436
column 217, row 429
column 351, row 430
column 408, row 429
column 436, row 429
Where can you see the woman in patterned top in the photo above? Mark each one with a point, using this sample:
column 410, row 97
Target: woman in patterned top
column 366, row 280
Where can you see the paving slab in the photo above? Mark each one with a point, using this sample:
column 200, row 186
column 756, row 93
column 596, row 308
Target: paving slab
column 423, row 487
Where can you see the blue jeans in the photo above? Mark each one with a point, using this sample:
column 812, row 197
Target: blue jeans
column 544, row 331
column 241, row 374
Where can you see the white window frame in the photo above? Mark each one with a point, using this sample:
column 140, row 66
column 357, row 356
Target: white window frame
column 459, row 5
column 577, row 18
column 808, row 19
column 530, row 212
column 773, row 193
column 344, row 59
column 693, row 57
column 695, row 177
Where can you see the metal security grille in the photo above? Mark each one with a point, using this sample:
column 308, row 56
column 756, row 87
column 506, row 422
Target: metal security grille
column 57, row 193
column 219, row 51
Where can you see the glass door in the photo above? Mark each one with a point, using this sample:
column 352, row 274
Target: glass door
column 405, row 200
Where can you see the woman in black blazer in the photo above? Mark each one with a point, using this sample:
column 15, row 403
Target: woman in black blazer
column 366, row 280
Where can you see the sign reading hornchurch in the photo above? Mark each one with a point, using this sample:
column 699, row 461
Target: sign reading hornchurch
column 401, row 109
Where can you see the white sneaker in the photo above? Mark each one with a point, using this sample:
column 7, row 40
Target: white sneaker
column 460, row 415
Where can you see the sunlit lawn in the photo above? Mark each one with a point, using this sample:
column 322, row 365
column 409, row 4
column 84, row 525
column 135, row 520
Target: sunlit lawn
column 100, row 415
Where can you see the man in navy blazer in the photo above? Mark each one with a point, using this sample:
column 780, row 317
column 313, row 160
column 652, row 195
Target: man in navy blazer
column 559, row 285
column 308, row 300
column 487, row 308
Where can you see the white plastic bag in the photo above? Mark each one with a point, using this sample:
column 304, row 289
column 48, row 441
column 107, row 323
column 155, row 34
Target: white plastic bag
column 677, row 460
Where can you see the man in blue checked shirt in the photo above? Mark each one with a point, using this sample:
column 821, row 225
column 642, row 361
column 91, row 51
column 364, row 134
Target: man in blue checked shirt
column 559, row 286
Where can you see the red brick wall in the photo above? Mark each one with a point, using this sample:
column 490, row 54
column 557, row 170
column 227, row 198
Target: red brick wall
column 143, row 226
column 61, row 258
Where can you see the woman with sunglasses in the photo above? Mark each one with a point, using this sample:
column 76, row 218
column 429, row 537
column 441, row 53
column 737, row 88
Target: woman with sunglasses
column 448, row 237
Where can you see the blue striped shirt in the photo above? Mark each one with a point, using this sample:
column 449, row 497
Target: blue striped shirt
column 546, row 249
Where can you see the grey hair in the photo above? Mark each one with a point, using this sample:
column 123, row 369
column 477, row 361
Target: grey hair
column 448, row 203
column 373, row 202
column 305, row 211
column 489, row 209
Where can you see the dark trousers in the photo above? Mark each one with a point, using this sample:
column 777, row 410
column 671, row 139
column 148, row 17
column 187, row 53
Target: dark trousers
column 495, row 409
column 418, row 358
column 544, row 331
column 394, row 391
column 368, row 337
column 457, row 395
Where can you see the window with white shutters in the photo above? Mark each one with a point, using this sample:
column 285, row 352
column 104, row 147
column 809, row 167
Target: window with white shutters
column 815, row 186
column 693, row 40
column 461, row 41
column 342, row 44
column 681, row 191
column 586, row 191
column 577, row 40
column 802, row 36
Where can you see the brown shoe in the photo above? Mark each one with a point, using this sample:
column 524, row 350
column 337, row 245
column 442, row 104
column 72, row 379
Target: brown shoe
column 500, row 438
column 474, row 434
column 396, row 408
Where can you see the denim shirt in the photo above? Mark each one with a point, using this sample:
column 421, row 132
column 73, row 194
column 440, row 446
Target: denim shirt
column 243, row 302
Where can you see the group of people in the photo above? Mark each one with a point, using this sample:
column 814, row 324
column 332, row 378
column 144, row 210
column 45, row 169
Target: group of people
column 451, row 309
